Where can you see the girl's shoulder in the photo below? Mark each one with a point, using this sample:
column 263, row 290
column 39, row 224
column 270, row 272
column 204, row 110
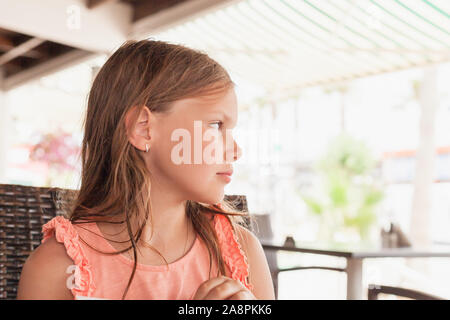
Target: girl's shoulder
column 43, row 275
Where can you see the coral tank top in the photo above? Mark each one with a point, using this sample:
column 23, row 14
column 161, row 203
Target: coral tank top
column 100, row 276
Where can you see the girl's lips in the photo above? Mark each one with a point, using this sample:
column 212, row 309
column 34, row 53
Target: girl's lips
column 225, row 176
column 228, row 173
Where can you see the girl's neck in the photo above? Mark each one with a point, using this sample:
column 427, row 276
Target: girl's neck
column 168, row 228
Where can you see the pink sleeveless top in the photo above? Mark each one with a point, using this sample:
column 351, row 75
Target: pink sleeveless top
column 97, row 275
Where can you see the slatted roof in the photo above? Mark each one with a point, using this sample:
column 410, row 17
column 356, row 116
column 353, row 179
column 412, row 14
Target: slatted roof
column 40, row 37
column 19, row 52
column 288, row 44
column 282, row 45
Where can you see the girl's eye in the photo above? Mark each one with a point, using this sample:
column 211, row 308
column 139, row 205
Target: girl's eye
column 220, row 123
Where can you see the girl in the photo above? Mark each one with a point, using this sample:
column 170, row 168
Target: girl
column 149, row 220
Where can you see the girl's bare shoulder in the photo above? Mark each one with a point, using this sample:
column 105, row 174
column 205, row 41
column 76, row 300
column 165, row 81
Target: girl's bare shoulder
column 44, row 273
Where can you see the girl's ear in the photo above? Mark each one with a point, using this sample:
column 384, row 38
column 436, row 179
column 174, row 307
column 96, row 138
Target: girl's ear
column 140, row 134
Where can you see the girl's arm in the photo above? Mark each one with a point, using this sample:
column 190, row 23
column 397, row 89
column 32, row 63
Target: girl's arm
column 259, row 272
column 44, row 273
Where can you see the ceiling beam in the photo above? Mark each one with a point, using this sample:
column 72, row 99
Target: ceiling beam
column 43, row 69
column 69, row 22
column 12, row 67
column 6, row 42
column 143, row 9
column 90, row 4
column 174, row 15
column 20, row 50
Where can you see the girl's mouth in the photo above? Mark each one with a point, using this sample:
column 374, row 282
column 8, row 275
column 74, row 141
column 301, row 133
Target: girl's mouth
column 225, row 176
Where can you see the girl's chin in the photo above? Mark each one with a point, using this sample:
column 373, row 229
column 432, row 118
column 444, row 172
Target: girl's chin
column 209, row 197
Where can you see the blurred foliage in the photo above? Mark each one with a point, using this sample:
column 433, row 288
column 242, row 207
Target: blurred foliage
column 348, row 193
column 59, row 150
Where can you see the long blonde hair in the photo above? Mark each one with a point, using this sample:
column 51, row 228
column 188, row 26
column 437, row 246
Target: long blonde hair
column 114, row 177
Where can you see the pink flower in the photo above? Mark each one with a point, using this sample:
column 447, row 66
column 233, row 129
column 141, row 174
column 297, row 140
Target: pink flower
column 56, row 149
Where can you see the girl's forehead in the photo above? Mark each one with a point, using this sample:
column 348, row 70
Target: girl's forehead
column 212, row 103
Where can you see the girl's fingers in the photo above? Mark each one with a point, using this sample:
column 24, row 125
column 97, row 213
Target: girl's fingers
column 241, row 295
column 225, row 290
column 206, row 287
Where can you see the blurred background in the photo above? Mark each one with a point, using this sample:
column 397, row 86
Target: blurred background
column 344, row 113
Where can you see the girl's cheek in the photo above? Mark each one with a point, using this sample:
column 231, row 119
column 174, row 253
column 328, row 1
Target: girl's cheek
column 210, row 148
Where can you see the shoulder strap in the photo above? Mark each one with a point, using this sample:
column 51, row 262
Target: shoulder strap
column 65, row 233
column 232, row 252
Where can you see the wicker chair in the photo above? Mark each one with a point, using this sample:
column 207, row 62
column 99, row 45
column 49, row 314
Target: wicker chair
column 23, row 212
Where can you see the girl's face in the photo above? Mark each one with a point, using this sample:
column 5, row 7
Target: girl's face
column 193, row 143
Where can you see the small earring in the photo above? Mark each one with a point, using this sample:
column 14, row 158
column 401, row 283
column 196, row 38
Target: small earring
column 146, row 147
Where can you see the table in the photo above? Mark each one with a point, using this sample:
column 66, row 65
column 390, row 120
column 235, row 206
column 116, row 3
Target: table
column 355, row 255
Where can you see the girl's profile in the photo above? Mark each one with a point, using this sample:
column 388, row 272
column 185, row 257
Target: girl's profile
column 150, row 220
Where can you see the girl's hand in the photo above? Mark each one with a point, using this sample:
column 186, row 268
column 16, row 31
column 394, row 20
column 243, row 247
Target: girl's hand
column 223, row 288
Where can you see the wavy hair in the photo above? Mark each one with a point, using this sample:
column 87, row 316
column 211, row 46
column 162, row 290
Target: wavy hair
column 114, row 178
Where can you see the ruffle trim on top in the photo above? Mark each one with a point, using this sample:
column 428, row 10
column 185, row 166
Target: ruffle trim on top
column 232, row 252
column 65, row 233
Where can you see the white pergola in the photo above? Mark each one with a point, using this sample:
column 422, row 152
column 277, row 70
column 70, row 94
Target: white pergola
column 38, row 38
column 88, row 27
column 286, row 45
column 281, row 45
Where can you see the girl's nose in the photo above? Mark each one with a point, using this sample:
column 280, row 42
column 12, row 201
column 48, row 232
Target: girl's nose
column 238, row 153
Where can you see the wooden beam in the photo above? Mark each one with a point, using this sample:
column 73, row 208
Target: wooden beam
column 143, row 9
column 175, row 15
column 102, row 29
column 51, row 66
column 6, row 42
column 20, row 50
column 91, row 4
column 12, row 67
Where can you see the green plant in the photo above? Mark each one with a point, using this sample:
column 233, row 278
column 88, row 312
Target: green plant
column 348, row 192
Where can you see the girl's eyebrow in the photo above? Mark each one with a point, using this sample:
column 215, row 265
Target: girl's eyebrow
column 221, row 114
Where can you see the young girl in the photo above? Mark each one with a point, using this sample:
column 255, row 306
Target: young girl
column 149, row 220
